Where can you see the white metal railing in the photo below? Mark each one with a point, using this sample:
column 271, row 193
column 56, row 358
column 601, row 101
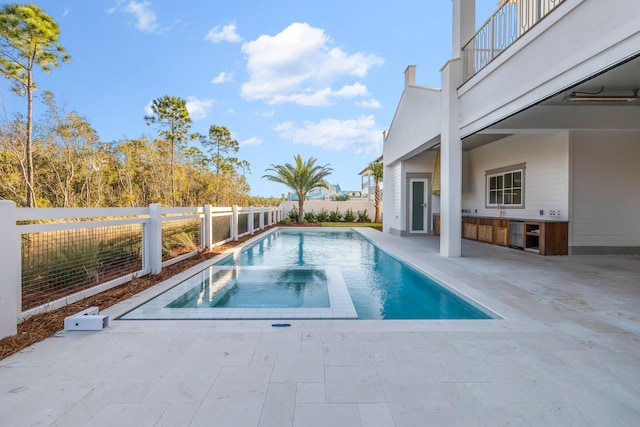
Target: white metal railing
column 512, row 19
column 51, row 257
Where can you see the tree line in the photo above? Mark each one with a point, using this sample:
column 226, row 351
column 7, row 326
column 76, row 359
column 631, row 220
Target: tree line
column 73, row 168
column 59, row 160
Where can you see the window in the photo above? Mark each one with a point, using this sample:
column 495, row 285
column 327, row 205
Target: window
column 505, row 187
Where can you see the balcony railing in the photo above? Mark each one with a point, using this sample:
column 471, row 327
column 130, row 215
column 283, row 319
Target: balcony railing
column 505, row 26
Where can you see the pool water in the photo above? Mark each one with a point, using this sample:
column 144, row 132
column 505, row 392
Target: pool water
column 380, row 286
column 263, row 288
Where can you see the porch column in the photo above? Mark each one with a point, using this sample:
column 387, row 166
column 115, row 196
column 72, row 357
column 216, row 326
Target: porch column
column 450, row 162
column 155, row 238
column 10, row 265
column 464, row 25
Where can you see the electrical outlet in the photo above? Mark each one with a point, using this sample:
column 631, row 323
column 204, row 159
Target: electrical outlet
column 559, row 212
column 552, row 212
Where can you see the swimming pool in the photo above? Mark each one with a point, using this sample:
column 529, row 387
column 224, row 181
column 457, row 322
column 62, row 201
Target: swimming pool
column 379, row 285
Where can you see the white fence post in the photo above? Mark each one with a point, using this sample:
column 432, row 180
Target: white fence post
column 234, row 222
column 261, row 217
column 208, row 232
column 250, row 220
column 155, row 238
column 10, row 266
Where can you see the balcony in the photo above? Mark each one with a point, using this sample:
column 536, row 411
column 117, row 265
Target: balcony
column 513, row 19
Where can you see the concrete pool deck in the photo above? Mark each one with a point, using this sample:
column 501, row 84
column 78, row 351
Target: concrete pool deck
column 566, row 353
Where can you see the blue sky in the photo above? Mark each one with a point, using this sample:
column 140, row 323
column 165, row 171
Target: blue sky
column 316, row 78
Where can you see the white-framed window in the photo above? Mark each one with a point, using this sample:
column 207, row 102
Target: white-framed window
column 505, row 187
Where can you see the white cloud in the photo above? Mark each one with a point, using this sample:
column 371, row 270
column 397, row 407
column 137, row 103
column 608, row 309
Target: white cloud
column 369, row 103
column 226, row 33
column 298, row 65
column 199, row 108
column 315, row 99
column 269, row 113
column 254, row 140
column 359, row 135
column 223, row 77
column 147, row 109
column 321, row 97
column 145, row 16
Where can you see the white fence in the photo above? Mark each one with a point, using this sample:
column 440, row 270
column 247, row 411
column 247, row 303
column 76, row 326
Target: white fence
column 51, row 257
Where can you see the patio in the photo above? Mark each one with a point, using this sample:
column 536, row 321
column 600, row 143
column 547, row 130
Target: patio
column 567, row 352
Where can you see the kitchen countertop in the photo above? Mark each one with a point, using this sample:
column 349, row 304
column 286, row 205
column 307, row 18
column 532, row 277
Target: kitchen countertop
column 512, row 218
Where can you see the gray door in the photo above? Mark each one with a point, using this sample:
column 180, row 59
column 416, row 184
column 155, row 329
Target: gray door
column 418, row 205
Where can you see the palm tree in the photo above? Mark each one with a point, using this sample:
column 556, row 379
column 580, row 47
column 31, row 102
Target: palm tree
column 301, row 178
column 377, row 170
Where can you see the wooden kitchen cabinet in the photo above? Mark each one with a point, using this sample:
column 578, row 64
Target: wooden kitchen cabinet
column 501, row 231
column 485, row 230
column 546, row 238
column 470, row 228
column 542, row 237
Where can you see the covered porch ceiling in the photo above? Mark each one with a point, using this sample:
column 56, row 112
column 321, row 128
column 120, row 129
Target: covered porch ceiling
column 562, row 111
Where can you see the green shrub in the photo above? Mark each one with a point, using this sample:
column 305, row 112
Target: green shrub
column 310, row 217
column 349, row 216
column 323, row 215
column 363, row 216
column 335, row 216
column 293, row 214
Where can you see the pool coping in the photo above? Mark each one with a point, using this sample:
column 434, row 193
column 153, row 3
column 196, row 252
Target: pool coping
column 340, row 303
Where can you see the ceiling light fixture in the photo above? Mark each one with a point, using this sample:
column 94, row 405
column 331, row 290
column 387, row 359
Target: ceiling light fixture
column 596, row 97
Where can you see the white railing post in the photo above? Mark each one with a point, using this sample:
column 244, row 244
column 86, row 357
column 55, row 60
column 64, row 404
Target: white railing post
column 208, row 232
column 234, row 222
column 250, row 220
column 10, row 266
column 269, row 216
column 155, row 238
column 261, row 217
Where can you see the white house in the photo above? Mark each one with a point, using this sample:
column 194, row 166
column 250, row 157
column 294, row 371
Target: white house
column 537, row 122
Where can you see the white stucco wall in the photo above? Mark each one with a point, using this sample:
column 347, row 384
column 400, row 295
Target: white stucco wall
column 606, row 189
column 546, row 175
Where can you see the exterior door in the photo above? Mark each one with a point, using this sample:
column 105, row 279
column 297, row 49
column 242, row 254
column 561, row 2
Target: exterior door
column 418, row 207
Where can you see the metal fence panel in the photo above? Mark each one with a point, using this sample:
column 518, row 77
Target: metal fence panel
column 59, row 263
column 243, row 224
column 221, row 226
column 180, row 236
